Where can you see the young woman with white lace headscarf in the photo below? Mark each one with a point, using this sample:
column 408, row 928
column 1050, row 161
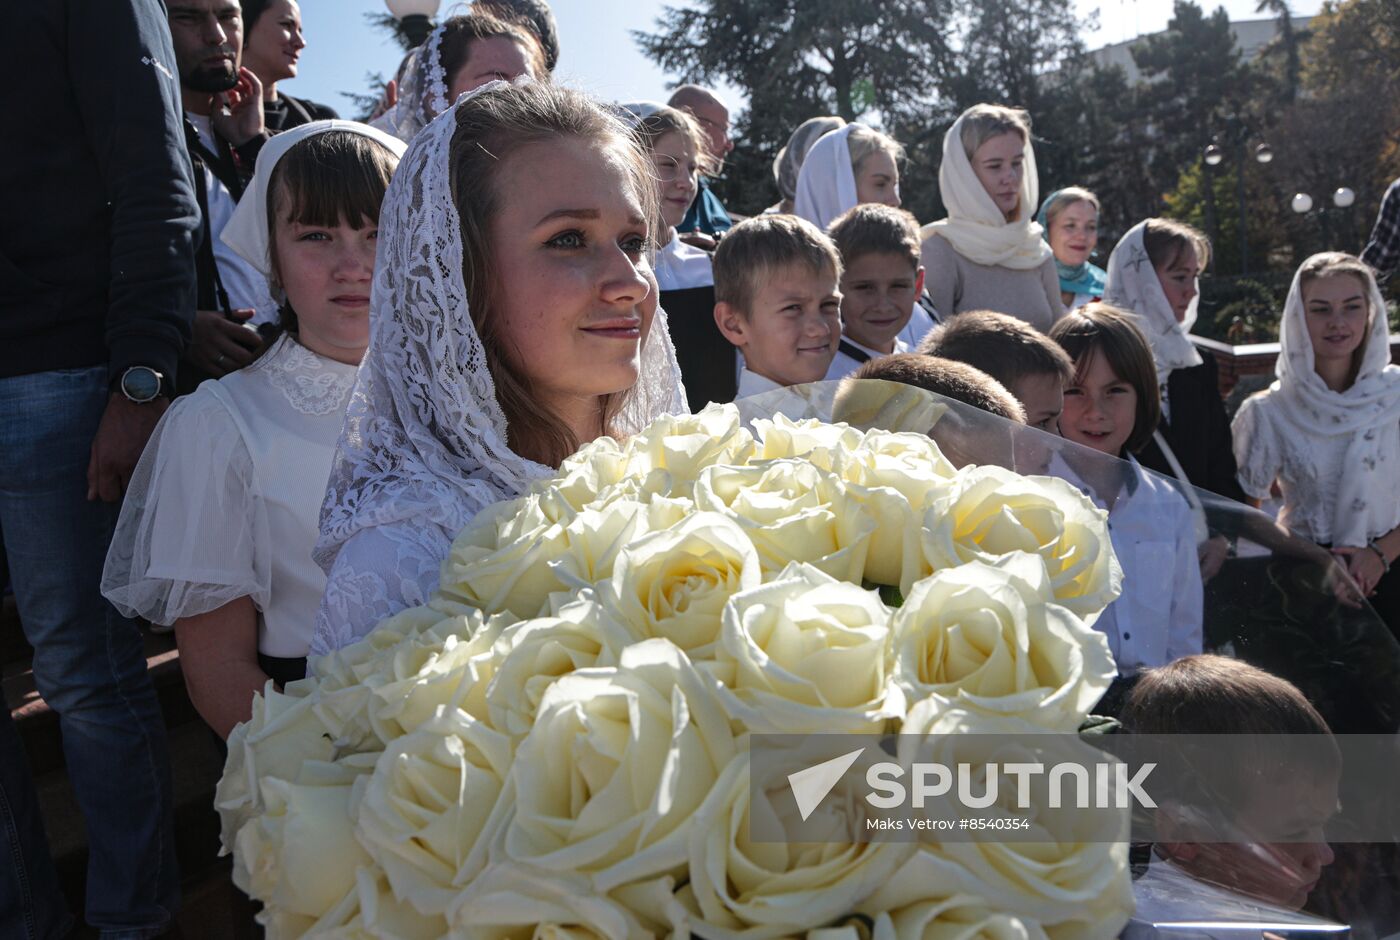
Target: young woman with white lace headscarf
column 988, row 254
column 1328, row 430
column 515, row 317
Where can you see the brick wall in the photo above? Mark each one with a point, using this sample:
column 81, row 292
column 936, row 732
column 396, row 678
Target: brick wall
column 1236, row 362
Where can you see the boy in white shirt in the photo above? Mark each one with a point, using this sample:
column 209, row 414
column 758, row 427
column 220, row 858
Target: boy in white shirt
column 880, row 284
column 777, row 300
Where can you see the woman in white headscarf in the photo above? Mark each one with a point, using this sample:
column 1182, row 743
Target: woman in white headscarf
column 788, row 163
column 515, row 318
column 1153, row 274
column 1328, row 430
column 851, row 166
column 216, row 532
column 463, row 53
column 989, row 254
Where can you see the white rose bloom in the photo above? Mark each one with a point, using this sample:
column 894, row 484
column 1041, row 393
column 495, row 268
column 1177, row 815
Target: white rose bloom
column 608, row 780
column 909, row 463
column 592, row 540
column 960, row 917
column 369, row 910
column 300, row 854
column 585, row 475
column 501, row 562
column 991, row 638
column 683, row 445
column 750, row 886
column 509, row 901
column 281, row 734
column 433, row 805
column 806, row 653
column 825, row 445
column 531, row 655
column 674, row 584
column 989, row 511
column 792, row 511
column 1073, row 881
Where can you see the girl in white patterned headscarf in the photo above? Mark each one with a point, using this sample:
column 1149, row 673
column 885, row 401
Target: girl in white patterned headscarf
column 515, row 317
column 1328, row 430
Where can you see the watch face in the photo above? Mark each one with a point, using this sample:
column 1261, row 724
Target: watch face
column 141, row 384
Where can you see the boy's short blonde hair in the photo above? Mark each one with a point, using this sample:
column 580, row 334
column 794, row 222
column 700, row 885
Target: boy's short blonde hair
column 955, row 380
column 752, row 250
column 876, row 229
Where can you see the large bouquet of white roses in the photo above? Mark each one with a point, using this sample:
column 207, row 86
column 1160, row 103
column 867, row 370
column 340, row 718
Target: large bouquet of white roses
column 557, row 745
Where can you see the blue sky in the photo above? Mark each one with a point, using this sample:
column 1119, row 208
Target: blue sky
column 597, row 49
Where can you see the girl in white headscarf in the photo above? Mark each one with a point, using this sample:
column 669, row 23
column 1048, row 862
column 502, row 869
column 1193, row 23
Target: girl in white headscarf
column 850, row 166
column 515, row 317
column 1328, row 430
column 463, row 53
column 988, row 254
column 1153, row 274
column 216, row 532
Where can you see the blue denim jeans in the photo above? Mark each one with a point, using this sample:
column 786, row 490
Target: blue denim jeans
column 89, row 667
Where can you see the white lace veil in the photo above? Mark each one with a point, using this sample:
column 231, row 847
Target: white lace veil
column 422, row 91
column 424, row 437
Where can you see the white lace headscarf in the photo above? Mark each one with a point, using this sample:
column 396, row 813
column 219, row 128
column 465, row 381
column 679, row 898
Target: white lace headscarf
column 975, row 227
column 424, row 436
column 1134, row 286
column 422, row 91
column 1364, row 419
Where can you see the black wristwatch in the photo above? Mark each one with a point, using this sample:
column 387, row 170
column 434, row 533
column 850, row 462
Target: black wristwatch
column 141, row 384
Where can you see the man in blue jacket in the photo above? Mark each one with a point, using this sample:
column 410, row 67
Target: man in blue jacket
column 97, row 220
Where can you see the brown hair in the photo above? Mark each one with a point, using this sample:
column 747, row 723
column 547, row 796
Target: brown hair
column 667, row 120
column 534, row 15
column 1002, row 346
column 982, row 122
column 862, row 141
column 955, row 380
column 752, row 250
column 460, row 32
column 1340, row 264
column 1102, row 329
column 876, row 229
column 1166, row 240
column 323, row 180
column 1206, row 694
column 491, row 128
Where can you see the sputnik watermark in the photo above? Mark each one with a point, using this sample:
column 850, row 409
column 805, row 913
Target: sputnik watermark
column 1107, row 786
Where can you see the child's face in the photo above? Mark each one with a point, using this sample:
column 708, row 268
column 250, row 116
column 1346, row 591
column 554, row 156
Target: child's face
column 878, row 292
column 1254, row 861
column 326, row 272
column 1100, row 408
column 677, row 168
column 1336, row 311
column 792, row 330
column 1043, row 397
column 1178, row 282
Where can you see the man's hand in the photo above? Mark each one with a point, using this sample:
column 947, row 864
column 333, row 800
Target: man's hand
column 219, row 345
column 238, row 112
column 699, row 240
column 121, row 436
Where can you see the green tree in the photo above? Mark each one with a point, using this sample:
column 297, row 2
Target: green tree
column 1288, row 42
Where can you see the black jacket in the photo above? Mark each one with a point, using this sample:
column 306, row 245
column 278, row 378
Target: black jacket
column 1198, row 433
column 289, row 112
column 98, row 215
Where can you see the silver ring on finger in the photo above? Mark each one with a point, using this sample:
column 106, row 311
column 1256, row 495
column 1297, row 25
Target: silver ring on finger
column 221, row 360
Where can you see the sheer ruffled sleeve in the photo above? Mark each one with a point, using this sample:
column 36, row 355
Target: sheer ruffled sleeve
column 193, row 533
column 1256, row 449
column 377, row 573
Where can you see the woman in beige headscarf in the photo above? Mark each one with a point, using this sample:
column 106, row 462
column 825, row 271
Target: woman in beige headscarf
column 988, row 254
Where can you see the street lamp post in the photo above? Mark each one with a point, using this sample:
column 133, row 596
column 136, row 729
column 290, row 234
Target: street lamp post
column 415, row 18
column 1214, row 155
column 1342, row 200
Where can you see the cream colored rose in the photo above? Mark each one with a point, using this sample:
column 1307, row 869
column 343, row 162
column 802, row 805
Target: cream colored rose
column 674, row 584
column 591, row 541
column 531, row 655
column 989, row 511
column 501, row 562
column 909, row 463
column 299, row 855
column 990, row 638
column 792, row 511
column 684, row 445
column 433, row 805
column 282, row 733
column 510, row 901
column 369, row 910
column 591, row 471
column 806, row 653
column 608, row 780
column 1073, row 881
column 825, row 445
column 960, row 917
column 756, row 885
